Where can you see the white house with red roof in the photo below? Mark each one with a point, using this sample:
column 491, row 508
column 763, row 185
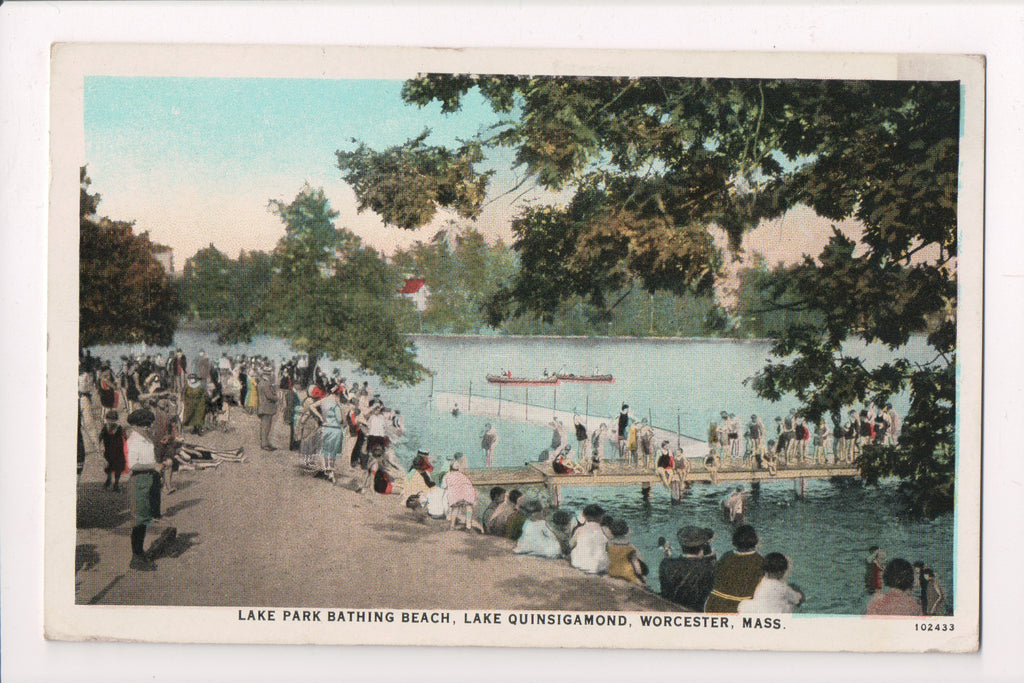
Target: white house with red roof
column 415, row 289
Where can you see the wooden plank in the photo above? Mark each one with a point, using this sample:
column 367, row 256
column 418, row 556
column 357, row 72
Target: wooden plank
column 535, row 475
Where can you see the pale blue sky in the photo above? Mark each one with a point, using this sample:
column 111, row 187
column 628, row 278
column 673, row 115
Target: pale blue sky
column 194, row 160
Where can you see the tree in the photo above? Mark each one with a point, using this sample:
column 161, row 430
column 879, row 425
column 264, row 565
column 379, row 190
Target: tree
column 331, row 295
column 207, row 285
column 124, row 294
column 654, row 163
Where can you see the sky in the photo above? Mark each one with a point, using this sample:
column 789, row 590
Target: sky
column 194, row 161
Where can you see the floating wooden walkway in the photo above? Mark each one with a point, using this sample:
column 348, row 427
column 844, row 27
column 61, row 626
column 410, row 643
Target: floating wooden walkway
column 621, row 474
column 503, row 409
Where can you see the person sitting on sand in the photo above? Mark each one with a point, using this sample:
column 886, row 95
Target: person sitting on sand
column 737, row 574
column 687, row 580
column 623, row 558
column 897, row 601
column 497, row 495
column 497, row 522
column 516, row 520
column 589, row 544
column 462, row 495
column 773, row 595
column 536, row 537
column 561, row 526
column 418, row 483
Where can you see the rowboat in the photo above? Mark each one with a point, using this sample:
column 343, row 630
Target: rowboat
column 606, row 379
column 523, row 381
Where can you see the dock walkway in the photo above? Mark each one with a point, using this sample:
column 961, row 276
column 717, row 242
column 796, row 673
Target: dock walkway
column 503, row 409
column 622, row 474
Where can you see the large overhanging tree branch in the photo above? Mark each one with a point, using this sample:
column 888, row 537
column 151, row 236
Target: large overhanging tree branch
column 654, row 163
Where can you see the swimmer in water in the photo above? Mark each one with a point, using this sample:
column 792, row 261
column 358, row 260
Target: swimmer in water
column 455, row 410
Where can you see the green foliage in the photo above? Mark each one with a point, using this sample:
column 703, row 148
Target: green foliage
column 124, row 295
column 407, row 183
column 653, row 163
column 331, row 295
column 462, row 272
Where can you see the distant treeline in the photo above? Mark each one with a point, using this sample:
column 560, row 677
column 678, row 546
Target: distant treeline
column 465, row 275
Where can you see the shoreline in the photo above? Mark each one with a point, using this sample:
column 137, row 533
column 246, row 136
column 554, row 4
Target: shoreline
column 266, row 533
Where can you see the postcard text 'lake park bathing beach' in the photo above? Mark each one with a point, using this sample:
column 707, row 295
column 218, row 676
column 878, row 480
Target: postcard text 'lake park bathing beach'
column 515, row 348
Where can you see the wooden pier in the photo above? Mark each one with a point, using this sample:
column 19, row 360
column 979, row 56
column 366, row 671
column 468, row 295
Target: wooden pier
column 621, row 474
column 512, row 411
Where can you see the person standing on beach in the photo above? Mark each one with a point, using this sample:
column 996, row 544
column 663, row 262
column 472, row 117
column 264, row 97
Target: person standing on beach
column 113, row 439
column 144, row 485
column 165, row 438
column 738, row 573
column 266, row 409
column 193, row 399
column 488, row 440
column 331, row 415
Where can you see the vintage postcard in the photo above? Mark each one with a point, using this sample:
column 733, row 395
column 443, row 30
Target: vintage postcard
column 515, row 348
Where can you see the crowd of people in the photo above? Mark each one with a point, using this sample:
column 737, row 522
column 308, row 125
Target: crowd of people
column 338, row 427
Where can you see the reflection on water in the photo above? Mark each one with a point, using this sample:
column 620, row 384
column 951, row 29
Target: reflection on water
column 682, row 383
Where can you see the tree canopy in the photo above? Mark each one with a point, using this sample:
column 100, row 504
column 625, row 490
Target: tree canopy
column 654, row 164
column 124, row 294
column 329, row 294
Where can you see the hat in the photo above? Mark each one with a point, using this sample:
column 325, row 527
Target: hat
column 531, row 506
column 143, row 417
column 421, row 462
column 317, row 392
column 694, row 536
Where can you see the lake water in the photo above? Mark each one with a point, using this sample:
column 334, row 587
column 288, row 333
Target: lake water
column 672, row 382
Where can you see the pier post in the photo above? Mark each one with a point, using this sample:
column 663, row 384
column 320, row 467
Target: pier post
column 469, row 402
column 800, row 487
column 645, row 491
column 555, row 495
column 526, row 406
column 499, row 400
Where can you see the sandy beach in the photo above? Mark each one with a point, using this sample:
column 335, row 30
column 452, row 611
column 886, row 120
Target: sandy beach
column 265, row 532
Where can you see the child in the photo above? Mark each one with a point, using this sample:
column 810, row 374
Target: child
column 623, row 558
column 773, row 595
column 113, row 439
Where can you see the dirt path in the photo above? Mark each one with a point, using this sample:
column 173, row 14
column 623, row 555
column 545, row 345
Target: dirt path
column 265, row 533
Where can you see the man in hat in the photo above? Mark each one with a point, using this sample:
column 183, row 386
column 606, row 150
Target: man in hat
column 266, row 409
column 144, row 485
column 687, row 580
